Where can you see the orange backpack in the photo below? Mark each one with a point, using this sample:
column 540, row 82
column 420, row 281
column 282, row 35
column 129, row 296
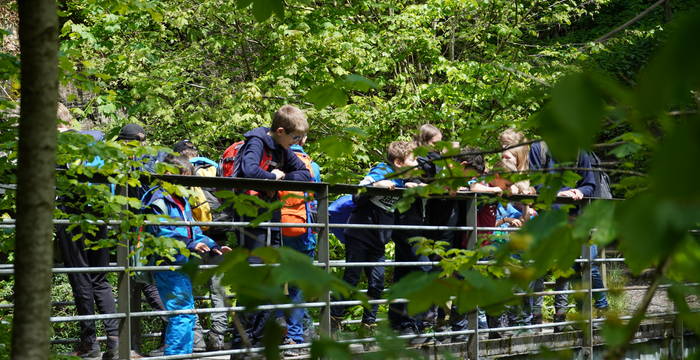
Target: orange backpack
column 295, row 210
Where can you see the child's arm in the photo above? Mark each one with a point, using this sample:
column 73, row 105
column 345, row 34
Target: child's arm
column 481, row 187
column 250, row 157
column 202, row 243
column 294, row 168
column 387, row 184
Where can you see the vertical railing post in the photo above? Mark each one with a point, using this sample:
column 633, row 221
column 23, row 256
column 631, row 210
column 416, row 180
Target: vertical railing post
column 677, row 346
column 324, row 257
column 472, row 317
column 587, row 312
column 124, row 294
column 604, row 265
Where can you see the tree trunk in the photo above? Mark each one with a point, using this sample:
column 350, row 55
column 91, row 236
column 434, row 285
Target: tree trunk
column 38, row 38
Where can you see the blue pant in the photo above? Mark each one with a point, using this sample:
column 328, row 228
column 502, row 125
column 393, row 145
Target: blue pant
column 175, row 290
column 600, row 298
column 295, row 317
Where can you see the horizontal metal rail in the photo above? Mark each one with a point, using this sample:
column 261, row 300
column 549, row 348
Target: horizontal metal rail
column 322, row 190
column 8, row 270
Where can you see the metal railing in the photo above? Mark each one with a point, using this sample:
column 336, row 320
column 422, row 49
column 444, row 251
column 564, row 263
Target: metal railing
column 322, row 191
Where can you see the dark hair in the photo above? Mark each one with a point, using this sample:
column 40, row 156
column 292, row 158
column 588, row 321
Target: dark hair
column 472, row 158
column 426, row 132
column 186, row 147
column 291, row 119
column 132, row 132
column 181, row 162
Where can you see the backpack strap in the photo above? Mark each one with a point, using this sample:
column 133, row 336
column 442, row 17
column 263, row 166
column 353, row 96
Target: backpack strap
column 545, row 155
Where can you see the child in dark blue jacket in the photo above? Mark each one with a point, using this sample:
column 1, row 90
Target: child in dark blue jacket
column 175, row 288
column 266, row 154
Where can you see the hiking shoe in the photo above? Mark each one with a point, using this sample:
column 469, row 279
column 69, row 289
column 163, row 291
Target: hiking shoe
column 86, row 351
column 112, row 352
column 414, row 341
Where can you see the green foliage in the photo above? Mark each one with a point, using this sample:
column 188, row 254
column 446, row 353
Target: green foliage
column 372, row 72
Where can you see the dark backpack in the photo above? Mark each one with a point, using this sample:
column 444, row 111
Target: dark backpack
column 602, row 180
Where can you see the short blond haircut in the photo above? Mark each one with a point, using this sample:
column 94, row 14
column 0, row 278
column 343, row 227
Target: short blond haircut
column 291, row 119
column 399, row 150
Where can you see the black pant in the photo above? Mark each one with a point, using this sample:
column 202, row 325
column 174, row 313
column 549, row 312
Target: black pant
column 150, row 292
column 254, row 321
column 89, row 289
column 358, row 251
column 404, row 251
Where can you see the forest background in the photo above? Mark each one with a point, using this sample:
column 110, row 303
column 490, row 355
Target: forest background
column 209, row 71
column 370, row 72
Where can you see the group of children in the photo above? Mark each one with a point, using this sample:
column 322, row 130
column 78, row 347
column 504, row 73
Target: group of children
column 276, row 153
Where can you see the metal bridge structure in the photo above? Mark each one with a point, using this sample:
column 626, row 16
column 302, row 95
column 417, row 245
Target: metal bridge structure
column 660, row 330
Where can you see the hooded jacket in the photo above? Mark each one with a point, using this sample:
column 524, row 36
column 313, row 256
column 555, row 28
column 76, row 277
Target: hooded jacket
column 257, row 141
column 160, row 203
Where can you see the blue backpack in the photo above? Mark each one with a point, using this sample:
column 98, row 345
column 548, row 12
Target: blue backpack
column 339, row 213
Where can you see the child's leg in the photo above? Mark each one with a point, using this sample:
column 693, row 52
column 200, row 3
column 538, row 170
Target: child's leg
column 354, row 252
column 295, row 317
column 176, row 292
column 375, row 286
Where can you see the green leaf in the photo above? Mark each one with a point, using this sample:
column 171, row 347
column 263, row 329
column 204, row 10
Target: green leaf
column 325, row 95
column 675, row 71
column 646, row 229
column 358, row 83
column 551, row 244
column 336, row 146
column 598, row 215
column 573, row 117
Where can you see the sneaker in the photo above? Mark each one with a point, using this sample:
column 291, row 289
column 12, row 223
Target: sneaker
column 293, row 352
column 112, row 352
column 443, row 339
column 215, row 342
column 133, row 354
column 86, row 351
column 157, row 352
column 414, row 341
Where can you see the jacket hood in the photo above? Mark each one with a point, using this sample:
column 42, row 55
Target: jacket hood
column 298, row 148
column 261, row 133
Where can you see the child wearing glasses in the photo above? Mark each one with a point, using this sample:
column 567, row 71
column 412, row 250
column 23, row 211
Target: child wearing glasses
column 267, row 154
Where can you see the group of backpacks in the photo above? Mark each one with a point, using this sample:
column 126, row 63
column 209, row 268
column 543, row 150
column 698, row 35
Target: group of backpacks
column 296, row 208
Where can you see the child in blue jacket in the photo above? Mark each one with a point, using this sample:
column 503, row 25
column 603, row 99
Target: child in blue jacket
column 367, row 245
column 175, row 288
